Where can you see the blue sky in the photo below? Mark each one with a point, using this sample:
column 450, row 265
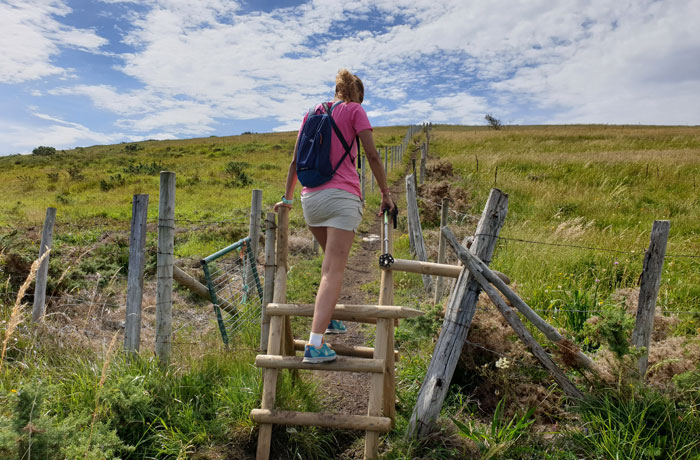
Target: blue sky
column 79, row 73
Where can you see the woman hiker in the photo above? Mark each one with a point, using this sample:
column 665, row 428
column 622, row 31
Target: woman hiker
column 333, row 210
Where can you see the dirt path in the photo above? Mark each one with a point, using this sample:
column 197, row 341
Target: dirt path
column 348, row 392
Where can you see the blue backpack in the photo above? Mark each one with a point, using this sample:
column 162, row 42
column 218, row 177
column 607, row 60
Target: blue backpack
column 313, row 155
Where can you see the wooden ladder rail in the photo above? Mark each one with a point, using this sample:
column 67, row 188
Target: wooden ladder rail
column 377, row 421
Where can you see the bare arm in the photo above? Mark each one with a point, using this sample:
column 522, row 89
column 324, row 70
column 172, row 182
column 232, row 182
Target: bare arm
column 291, row 179
column 375, row 163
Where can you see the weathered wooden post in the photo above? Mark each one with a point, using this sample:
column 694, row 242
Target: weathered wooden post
column 269, row 287
column 649, row 290
column 386, row 159
column 415, row 230
column 458, row 317
column 441, row 249
column 164, row 269
column 134, row 283
column 423, row 161
column 43, row 272
column 280, row 293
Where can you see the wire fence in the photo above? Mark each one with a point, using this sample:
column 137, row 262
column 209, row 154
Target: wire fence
column 235, row 287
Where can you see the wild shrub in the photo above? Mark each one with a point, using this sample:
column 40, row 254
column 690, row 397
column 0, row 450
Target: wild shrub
column 113, row 181
column 75, row 173
column 612, row 327
column 237, row 175
column 131, row 148
column 151, row 169
column 44, row 151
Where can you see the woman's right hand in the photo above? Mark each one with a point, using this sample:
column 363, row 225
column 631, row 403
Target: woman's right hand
column 387, row 204
column 280, row 204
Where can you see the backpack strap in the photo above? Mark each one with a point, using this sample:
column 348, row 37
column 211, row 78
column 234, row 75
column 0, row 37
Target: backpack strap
column 347, row 147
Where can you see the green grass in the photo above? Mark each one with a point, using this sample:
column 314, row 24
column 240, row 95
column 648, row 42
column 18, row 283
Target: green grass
column 573, row 186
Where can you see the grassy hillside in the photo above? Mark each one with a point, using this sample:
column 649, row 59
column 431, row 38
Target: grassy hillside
column 582, row 200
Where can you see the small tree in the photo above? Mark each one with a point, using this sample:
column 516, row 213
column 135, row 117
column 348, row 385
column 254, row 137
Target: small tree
column 41, row 150
column 493, row 122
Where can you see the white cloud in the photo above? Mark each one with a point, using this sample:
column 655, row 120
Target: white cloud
column 201, row 65
column 57, row 133
column 31, row 36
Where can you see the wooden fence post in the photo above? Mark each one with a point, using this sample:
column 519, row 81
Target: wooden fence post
column 649, row 290
column 458, row 317
column 441, row 249
column 386, row 159
column 164, row 270
column 254, row 232
column 280, row 294
column 423, row 160
column 134, row 283
column 415, row 230
column 42, row 274
column 269, row 288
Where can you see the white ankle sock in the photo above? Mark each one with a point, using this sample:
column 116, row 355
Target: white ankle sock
column 316, row 339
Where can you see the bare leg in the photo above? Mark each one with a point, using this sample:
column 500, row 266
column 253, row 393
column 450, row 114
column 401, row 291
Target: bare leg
column 336, row 246
column 321, row 234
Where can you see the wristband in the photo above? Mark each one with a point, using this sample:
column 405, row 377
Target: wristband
column 286, row 201
column 386, row 192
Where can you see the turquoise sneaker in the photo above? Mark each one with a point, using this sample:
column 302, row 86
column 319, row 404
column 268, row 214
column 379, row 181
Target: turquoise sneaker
column 318, row 355
column 336, row 327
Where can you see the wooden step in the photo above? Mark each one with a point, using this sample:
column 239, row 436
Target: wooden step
column 341, row 363
column 358, row 313
column 337, row 421
column 346, row 350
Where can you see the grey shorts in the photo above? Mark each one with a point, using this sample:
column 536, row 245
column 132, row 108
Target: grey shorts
column 332, row 207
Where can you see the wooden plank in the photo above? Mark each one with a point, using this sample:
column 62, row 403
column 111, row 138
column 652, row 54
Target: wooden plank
column 458, row 317
column 341, row 364
column 269, row 287
column 134, row 283
column 649, row 290
column 415, row 228
column 376, row 391
column 274, row 344
column 549, row 331
column 429, row 268
column 432, row 268
column 345, row 350
column 512, row 319
column 344, row 312
column 164, row 269
column 337, row 421
column 39, row 307
column 444, row 210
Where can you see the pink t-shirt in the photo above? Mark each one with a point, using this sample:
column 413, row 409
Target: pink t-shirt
column 351, row 119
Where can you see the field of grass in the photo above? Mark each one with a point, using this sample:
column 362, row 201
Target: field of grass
column 582, row 200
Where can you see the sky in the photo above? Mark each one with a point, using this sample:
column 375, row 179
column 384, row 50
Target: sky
column 79, row 73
